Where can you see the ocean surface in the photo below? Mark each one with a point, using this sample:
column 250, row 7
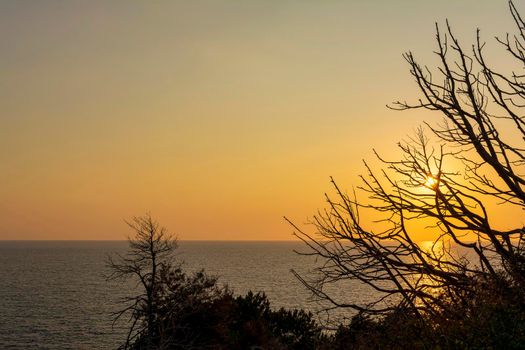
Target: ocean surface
column 53, row 294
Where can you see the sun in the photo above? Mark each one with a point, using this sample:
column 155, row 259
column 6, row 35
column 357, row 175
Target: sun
column 431, row 182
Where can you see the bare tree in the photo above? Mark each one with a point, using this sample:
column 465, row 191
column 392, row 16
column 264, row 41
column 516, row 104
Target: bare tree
column 482, row 129
column 150, row 255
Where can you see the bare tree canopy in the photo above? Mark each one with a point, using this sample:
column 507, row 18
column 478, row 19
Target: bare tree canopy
column 483, row 129
column 149, row 256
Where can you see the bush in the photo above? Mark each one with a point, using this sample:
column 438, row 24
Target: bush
column 195, row 313
column 492, row 316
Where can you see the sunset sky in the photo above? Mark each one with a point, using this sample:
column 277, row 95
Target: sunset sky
column 217, row 117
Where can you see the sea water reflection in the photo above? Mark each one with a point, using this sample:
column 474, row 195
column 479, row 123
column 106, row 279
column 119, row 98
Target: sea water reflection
column 54, row 295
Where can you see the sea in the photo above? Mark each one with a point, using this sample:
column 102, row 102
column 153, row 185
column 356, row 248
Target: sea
column 55, row 295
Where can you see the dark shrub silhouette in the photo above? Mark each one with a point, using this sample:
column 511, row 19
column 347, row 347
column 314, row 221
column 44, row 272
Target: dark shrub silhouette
column 175, row 310
column 203, row 320
column 493, row 318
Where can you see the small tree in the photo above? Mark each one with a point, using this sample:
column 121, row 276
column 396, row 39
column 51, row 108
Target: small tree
column 149, row 257
column 174, row 310
column 484, row 130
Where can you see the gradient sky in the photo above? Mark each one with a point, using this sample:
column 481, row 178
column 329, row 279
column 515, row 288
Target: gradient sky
column 217, row 117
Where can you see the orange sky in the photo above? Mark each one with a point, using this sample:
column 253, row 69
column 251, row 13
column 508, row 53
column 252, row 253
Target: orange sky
column 217, row 117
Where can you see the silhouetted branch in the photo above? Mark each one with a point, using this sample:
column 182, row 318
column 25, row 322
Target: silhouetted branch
column 150, row 253
column 474, row 100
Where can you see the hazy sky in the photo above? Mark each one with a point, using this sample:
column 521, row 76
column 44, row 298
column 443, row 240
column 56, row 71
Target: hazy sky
column 217, row 117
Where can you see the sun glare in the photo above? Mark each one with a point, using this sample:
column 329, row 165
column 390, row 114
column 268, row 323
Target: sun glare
column 434, row 248
column 431, row 182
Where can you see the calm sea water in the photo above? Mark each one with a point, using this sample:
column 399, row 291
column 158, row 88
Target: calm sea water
column 53, row 295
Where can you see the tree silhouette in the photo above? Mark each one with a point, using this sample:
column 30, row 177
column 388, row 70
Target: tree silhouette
column 171, row 309
column 149, row 258
column 484, row 131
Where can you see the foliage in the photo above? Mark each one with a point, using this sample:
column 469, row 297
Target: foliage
column 494, row 318
column 175, row 310
column 211, row 318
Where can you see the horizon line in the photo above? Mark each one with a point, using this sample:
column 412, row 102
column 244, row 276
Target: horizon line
column 123, row 240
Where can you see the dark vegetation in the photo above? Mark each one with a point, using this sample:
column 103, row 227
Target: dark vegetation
column 175, row 310
column 427, row 297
